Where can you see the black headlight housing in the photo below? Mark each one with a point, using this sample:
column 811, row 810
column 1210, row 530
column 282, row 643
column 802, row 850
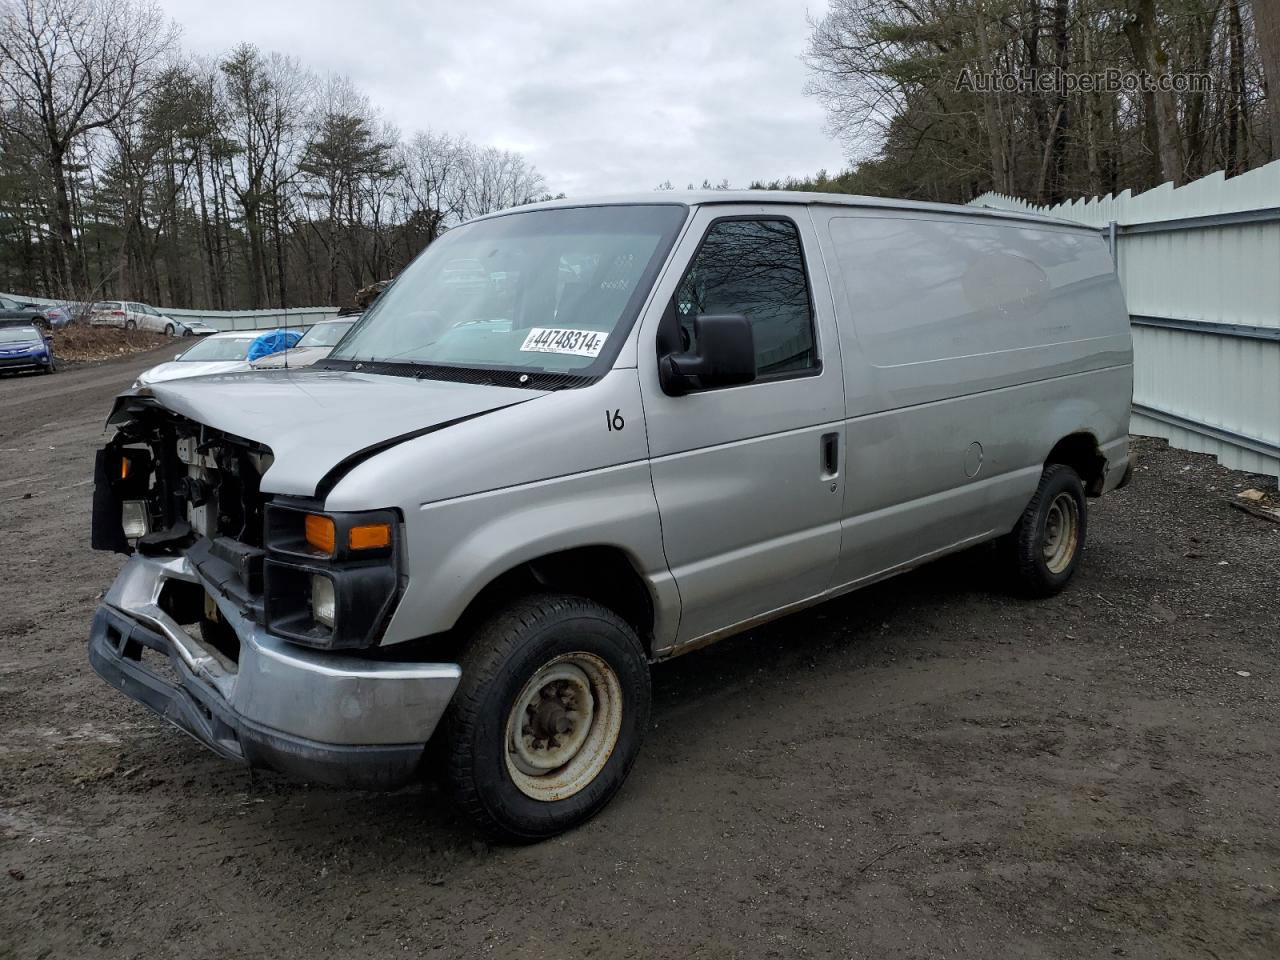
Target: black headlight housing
column 355, row 588
column 120, row 473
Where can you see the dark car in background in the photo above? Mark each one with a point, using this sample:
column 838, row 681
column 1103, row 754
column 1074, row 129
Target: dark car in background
column 46, row 315
column 24, row 346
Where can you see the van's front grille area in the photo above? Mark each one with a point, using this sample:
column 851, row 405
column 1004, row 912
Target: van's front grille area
column 167, row 486
column 192, row 481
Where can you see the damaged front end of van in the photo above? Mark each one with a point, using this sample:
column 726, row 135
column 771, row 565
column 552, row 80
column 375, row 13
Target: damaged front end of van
column 248, row 619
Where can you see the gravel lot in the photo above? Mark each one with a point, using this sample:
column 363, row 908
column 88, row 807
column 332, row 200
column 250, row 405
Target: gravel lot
column 926, row 768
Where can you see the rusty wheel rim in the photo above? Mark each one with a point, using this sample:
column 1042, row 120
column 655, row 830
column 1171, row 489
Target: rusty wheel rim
column 1061, row 536
column 563, row 726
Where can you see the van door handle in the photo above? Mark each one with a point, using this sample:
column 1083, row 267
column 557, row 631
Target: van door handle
column 830, row 456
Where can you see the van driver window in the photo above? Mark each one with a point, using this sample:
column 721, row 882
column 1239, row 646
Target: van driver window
column 756, row 268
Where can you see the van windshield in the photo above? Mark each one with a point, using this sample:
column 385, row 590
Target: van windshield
column 542, row 291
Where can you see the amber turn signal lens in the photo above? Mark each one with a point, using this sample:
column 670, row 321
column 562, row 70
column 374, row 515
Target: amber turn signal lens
column 124, row 468
column 371, row 536
column 320, row 533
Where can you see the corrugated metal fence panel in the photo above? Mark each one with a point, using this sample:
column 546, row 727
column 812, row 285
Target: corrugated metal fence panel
column 255, row 319
column 227, row 319
column 1228, row 274
column 23, row 298
column 1228, row 383
column 1212, row 390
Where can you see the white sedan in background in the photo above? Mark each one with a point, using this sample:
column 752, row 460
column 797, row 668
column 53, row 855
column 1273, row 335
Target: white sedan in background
column 315, row 345
column 216, row 353
column 141, row 316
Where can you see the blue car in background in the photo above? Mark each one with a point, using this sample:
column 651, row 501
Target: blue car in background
column 24, row 346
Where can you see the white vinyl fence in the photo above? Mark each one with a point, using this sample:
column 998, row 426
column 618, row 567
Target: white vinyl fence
column 1200, row 268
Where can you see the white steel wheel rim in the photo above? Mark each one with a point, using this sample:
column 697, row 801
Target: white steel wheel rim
column 563, row 726
column 1061, row 532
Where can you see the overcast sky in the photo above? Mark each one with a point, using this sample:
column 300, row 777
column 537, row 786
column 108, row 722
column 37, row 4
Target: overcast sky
column 602, row 96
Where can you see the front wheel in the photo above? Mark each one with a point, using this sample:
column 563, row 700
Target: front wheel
column 1044, row 548
column 548, row 717
column 168, row 330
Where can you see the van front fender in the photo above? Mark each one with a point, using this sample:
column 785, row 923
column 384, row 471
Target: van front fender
column 458, row 547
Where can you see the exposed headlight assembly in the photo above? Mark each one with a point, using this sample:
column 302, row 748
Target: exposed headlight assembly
column 324, row 602
column 135, row 518
column 330, row 579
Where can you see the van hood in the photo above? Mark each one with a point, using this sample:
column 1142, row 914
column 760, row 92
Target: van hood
column 317, row 423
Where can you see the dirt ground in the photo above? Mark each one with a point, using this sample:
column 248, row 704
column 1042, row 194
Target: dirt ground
column 928, row 768
column 82, row 343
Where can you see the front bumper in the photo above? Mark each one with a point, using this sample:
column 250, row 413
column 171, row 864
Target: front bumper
column 318, row 716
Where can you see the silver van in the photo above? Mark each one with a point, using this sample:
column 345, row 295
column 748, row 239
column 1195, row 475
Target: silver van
column 629, row 428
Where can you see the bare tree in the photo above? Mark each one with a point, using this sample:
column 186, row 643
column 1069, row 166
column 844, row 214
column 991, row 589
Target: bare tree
column 432, row 165
column 68, row 67
column 493, row 179
column 1266, row 15
column 237, row 180
column 343, row 157
column 901, row 81
column 268, row 97
column 1150, row 56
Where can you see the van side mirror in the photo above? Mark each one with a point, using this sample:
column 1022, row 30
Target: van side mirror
column 723, row 355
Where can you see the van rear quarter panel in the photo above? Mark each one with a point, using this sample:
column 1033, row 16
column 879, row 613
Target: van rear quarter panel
column 971, row 346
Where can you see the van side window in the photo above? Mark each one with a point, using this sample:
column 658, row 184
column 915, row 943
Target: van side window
column 756, row 268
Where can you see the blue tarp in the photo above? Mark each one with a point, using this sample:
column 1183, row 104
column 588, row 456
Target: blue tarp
column 273, row 342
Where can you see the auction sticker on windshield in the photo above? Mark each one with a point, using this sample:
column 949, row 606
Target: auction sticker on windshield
column 579, row 343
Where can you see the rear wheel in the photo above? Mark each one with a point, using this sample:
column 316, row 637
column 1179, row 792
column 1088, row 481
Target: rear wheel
column 1044, row 548
column 168, row 329
column 548, row 717
column 131, row 324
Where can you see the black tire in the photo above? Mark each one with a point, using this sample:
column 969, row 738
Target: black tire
column 52, row 367
column 501, row 659
column 168, row 330
column 1040, row 563
column 131, row 324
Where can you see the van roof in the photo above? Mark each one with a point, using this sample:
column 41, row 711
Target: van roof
column 710, row 197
